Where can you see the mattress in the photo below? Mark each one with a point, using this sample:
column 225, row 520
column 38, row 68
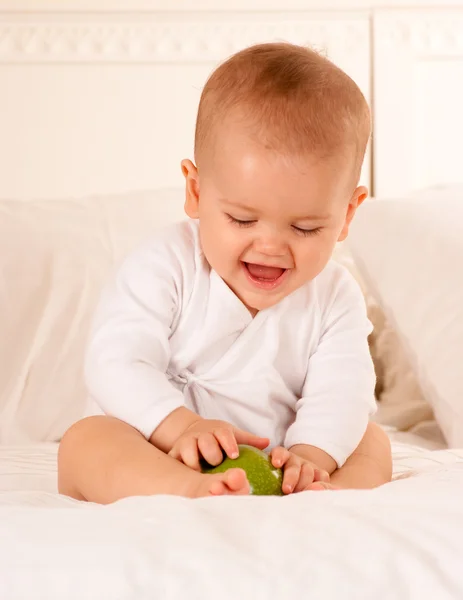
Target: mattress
column 402, row 540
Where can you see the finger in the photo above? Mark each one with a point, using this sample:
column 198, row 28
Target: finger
column 306, row 478
column 244, row 437
column 226, row 438
column 291, row 476
column 189, row 453
column 321, row 475
column 279, row 456
column 210, row 449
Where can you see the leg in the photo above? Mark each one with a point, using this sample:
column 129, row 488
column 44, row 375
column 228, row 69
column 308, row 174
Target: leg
column 371, row 463
column 102, row 459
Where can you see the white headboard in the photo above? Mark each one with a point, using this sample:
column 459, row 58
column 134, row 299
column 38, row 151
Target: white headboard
column 418, row 99
column 99, row 100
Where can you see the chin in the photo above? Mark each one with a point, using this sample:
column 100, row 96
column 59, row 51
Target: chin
column 258, row 303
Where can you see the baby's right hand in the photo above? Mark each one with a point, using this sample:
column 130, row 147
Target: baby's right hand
column 208, row 439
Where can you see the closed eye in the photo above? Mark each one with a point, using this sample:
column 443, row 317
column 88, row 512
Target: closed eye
column 239, row 222
column 306, row 232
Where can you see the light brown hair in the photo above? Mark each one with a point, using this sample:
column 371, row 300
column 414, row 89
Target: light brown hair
column 292, row 99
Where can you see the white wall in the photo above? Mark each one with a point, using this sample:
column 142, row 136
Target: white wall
column 101, row 96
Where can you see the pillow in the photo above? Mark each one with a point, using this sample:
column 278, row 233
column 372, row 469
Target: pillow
column 401, row 404
column 409, row 252
column 54, row 257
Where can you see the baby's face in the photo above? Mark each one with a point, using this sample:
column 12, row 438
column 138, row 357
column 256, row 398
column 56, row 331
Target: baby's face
column 268, row 223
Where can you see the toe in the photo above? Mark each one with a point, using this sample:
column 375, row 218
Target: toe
column 217, row 488
column 233, row 481
column 237, row 482
column 320, row 486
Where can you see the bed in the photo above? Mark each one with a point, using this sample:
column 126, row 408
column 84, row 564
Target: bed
column 70, row 208
column 400, row 541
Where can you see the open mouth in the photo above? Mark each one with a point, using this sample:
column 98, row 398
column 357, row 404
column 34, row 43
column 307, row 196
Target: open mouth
column 264, row 276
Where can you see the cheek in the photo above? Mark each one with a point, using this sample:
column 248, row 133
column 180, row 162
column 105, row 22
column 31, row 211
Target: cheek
column 232, row 242
column 314, row 255
column 221, row 242
column 210, row 225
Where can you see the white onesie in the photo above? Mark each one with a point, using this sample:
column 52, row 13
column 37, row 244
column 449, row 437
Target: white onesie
column 169, row 332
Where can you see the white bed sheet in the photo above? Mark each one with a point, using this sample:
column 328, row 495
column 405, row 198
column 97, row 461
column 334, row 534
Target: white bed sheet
column 404, row 540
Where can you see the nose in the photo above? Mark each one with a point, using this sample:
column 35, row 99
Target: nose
column 270, row 242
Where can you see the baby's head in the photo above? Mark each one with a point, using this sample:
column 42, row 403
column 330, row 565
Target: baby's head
column 280, row 139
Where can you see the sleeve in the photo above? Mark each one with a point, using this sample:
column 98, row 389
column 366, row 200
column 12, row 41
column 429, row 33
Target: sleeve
column 338, row 393
column 128, row 351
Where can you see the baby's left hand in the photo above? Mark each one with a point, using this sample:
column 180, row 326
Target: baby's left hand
column 299, row 474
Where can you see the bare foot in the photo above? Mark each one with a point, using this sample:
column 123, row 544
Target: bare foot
column 232, row 482
column 320, row 486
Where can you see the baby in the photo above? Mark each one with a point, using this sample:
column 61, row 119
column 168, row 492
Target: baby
column 235, row 324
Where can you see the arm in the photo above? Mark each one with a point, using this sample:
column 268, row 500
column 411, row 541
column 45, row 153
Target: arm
column 338, row 393
column 128, row 351
column 369, row 466
column 316, row 456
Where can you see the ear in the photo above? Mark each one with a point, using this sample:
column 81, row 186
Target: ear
column 359, row 195
column 190, row 172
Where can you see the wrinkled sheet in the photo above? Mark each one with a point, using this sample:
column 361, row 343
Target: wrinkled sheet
column 403, row 540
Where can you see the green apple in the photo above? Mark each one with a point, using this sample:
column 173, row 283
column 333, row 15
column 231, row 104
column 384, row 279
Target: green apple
column 263, row 477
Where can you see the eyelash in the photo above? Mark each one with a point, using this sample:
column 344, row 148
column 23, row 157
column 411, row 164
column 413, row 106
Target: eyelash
column 298, row 230
column 240, row 223
column 307, row 232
